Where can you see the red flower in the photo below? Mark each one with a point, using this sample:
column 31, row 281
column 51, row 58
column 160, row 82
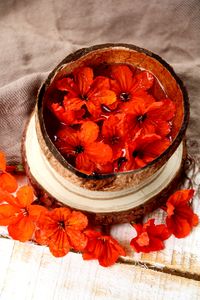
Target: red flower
column 61, row 230
column 129, row 88
column 151, row 118
column 113, row 133
column 144, row 149
column 83, row 89
column 104, row 248
column 19, row 215
column 83, row 146
column 67, row 117
column 149, row 237
column 180, row 217
column 7, row 181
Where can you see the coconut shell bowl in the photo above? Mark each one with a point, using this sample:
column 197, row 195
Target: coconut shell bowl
column 106, row 197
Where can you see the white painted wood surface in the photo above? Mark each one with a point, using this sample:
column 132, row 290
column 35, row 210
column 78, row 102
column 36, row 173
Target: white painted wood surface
column 30, row 272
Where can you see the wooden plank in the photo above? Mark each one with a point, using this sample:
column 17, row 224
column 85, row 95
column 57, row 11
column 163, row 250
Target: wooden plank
column 30, row 273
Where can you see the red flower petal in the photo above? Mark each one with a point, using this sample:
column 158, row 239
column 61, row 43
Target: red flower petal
column 89, row 132
column 59, row 244
column 7, row 214
column 178, row 226
column 67, row 84
column 41, row 238
column 35, row 211
column 106, row 97
column 8, row 182
column 77, row 220
column 22, row 230
column 124, row 77
column 77, row 239
column 180, row 197
column 25, row 196
column 83, row 164
column 6, row 197
column 162, row 110
column 72, row 103
column 2, row 161
column 99, row 152
column 144, row 80
column 83, row 78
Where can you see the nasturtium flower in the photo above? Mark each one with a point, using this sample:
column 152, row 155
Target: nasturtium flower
column 84, row 89
column 62, row 229
column 153, row 118
column 149, row 237
column 131, row 88
column 102, row 247
column 113, row 132
column 83, row 145
column 180, row 216
column 20, row 215
column 144, row 149
column 66, row 116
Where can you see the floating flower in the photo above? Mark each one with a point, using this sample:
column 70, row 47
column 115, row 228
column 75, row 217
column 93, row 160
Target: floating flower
column 129, row 88
column 20, row 215
column 153, row 118
column 7, row 181
column 67, row 117
column 62, row 229
column 83, row 146
column 113, row 133
column 102, row 247
column 149, row 237
column 83, row 89
column 180, row 216
column 144, row 149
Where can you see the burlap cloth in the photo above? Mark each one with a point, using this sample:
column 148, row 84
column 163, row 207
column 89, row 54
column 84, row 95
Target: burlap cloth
column 36, row 35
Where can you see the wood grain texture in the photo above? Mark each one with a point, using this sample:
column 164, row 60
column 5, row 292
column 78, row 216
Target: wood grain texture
column 30, row 272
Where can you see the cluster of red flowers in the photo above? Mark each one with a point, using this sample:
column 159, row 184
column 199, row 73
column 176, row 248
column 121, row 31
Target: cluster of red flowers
column 111, row 123
column 62, row 229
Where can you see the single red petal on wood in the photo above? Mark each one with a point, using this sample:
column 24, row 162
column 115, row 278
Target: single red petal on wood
column 22, row 230
column 8, row 182
column 2, row 161
column 25, row 196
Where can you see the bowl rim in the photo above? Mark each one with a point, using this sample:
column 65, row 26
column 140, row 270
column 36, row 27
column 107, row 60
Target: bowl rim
column 77, row 55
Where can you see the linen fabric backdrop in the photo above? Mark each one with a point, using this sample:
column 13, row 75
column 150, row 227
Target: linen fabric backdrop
column 36, row 35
